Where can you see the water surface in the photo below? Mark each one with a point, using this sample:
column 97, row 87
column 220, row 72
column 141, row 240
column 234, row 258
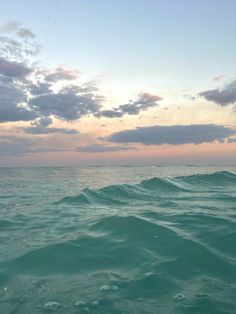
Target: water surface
column 118, row 240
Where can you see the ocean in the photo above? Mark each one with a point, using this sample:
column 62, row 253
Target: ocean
column 118, row 240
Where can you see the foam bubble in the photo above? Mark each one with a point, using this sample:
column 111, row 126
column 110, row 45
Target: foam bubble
column 105, row 288
column 108, row 288
column 51, row 306
column 179, row 297
column 79, row 303
column 95, row 302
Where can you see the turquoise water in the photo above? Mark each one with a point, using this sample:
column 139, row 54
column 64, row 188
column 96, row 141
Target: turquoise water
column 118, row 240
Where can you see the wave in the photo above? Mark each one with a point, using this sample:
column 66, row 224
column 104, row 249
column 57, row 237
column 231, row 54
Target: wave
column 217, row 178
column 150, row 189
column 166, row 243
column 128, row 243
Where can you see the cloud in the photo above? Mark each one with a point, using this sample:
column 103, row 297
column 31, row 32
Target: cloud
column 15, row 27
column 42, row 122
column 25, row 33
column 109, row 114
column 99, row 148
column 221, row 96
column 13, row 69
column 59, row 74
column 219, row 77
column 10, row 26
column 40, row 126
column 88, row 88
column 11, row 96
column 231, row 140
column 19, row 42
column 174, row 135
column 64, row 106
column 16, row 114
column 144, row 102
column 46, row 130
column 41, row 88
column 14, row 146
column 31, row 88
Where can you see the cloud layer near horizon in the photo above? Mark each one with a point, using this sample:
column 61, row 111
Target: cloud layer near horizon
column 173, row 135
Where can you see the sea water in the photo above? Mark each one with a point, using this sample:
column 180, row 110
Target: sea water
column 118, row 240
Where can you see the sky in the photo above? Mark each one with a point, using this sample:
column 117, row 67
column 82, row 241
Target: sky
column 125, row 82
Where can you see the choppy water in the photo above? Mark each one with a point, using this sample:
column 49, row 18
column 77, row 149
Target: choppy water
column 118, row 240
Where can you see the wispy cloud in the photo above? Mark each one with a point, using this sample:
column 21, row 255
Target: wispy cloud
column 99, row 148
column 219, row 77
column 47, row 130
column 14, row 146
column 16, row 28
column 144, row 102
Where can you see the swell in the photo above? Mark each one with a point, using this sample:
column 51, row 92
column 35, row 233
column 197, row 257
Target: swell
column 152, row 188
column 126, row 244
column 213, row 179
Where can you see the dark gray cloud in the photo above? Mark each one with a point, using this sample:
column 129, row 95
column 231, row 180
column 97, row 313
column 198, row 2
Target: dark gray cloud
column 109, row 114
column 22, row 77
column 221, row 96
column 64, row 106
column 41, row 88
column 47, row 130
column 24, row 97
column 99, row 148
column 174, row 135
column 40, row 126
column 144, row 102
column 16, row 114
column 13, row 69
column 11, row 96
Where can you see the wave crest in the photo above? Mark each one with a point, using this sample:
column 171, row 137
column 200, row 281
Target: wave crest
column 149, row 189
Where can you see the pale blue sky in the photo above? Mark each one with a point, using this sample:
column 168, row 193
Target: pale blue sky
column 172, row 43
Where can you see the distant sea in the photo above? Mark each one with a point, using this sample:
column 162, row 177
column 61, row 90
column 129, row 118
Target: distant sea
column 118, row 240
